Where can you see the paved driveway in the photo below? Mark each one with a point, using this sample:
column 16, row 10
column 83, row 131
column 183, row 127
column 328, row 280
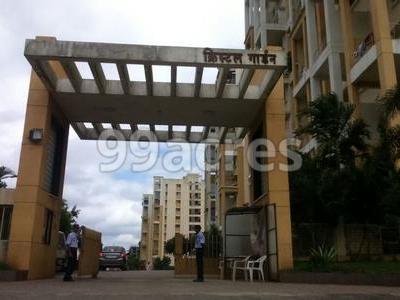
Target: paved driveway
column 163, row 285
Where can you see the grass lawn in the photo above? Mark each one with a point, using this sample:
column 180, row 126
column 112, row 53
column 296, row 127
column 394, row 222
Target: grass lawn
column 368, row 267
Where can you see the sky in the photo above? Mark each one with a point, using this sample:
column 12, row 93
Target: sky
column 110, row 201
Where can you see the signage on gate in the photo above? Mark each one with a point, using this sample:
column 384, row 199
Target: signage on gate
column 211, row 56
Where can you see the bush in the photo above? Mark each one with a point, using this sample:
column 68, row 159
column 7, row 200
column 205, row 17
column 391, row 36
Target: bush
column 134, row 262
column 162, row 264
column 4, row 266
column 322, row 258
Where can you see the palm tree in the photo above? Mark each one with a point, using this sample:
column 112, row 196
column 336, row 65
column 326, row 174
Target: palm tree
column 320, row 189
column 339, row 136
column 390, row 133
column 4, row 174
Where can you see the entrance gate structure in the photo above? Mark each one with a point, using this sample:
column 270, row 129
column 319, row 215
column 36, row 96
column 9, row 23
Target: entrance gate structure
column 60, row 96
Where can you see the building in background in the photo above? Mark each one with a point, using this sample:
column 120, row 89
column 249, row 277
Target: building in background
column 211, row 187
column 146, row 237
column 176, row 206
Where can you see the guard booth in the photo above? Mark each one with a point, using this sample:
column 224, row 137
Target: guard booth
column 251, row 231
column 60, row 97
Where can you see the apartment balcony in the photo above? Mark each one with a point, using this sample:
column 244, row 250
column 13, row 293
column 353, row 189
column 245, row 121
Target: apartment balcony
column 359, row 5
column 194, row 203
column 276, row 25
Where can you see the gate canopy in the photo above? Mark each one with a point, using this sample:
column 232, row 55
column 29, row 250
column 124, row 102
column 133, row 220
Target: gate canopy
column 192, row 112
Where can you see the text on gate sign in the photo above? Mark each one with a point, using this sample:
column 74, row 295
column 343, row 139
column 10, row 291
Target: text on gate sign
column 211, row 56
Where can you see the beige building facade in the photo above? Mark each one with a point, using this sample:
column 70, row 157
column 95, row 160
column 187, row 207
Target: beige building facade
column 176, row 206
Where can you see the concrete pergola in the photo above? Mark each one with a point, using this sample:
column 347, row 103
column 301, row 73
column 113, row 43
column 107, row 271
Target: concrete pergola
column 224, row 111
column 60, row 96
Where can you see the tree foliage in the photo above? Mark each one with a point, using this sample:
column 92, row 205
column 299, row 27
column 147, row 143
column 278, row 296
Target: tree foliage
column 347, row 175
column 68, row 217
column 162, row 264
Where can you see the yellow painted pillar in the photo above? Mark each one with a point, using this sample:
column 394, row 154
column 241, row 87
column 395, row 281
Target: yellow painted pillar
column 278, row 180
column 28, row 251
column 383, row 42
column 349, row 47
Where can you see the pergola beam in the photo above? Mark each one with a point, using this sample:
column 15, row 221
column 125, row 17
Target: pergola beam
column 98, row 75
column 73, row 75
column 205, row 132
column 170, row 131
column 45, row 72
column 134, row 127
column 80, row 129
column 148, row 71
column 116, row 126
column 188, row 131
column 221, row 82
column 222, row 134
column 173, row 81
column 244, row 82
column 197, row 81
column 124, row 77
column 160, row 89
column 268, row 83
column 98, row 127
column 151, row 55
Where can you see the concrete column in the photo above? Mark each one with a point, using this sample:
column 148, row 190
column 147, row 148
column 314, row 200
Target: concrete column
column 27, row 250
column 348, row 49
column 335, row 44
column 311, row 25
column 290, row 7
column 240, row 199
column 221, row 184
column 383, row 41
column 277, row 180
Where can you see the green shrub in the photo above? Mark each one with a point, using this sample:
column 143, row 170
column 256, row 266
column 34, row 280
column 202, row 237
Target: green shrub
column 133, row 262
column 162, row 264
column 322, row 258
column 4, row 266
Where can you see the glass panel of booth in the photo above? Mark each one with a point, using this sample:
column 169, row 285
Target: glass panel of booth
column 245, row 233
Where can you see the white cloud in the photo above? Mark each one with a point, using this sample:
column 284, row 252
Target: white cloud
column 109, row 202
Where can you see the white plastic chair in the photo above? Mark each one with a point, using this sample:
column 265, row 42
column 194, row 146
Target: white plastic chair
column 257, row 265
column 240, row 265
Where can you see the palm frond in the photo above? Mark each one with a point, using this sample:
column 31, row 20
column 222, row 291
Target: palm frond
column 391, row 102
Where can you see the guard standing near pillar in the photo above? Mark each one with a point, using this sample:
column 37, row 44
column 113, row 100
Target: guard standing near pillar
column 72, row 252
column 199, row 247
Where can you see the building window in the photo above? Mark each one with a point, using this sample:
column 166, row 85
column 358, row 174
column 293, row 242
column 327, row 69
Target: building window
column 5, row 221
column 194, row 211
column 194, row 219
column 47, row 226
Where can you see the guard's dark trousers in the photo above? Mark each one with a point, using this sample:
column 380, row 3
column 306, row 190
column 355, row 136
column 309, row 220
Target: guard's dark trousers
column 200, row 263
column 71, row 263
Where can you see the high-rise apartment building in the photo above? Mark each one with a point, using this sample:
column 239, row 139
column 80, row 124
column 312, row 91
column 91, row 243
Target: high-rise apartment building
column 347, row 47
column 176, row 206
